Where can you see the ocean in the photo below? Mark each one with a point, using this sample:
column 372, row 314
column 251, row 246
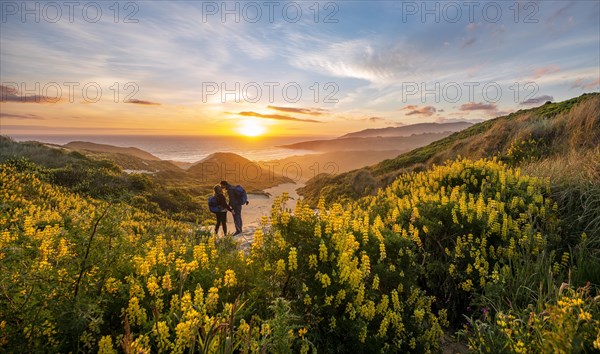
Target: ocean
column 187, row 148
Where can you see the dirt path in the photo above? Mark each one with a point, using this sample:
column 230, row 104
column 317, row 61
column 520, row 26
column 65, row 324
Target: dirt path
column 261, row 205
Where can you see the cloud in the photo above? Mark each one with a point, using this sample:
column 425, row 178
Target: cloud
column 143, row 102
column 580, row 83
column 11, row 94
column 472, row 106
column 473, row 26
column 457, row 120
column 21, row 116
column 550, row 69
column 310, row 111
column 416, row 110
column 275, row 116
column 561, row 13
column 374, row 119
column 376, row 61
column 468, row 42
column 537, row 100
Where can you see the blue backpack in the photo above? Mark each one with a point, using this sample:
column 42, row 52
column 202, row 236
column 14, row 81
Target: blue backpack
column 213, row 205
column 241, row 195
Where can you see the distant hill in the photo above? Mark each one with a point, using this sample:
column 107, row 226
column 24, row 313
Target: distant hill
column 408, row 130
column 82, row 145
column 400, row 143
column 236, row 170
column 537, row 136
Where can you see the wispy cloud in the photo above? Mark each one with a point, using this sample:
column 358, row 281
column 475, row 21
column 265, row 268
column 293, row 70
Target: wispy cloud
column 473, row 26
column 275, row 116
column 419, row 110
column 143, row 102
column 457, row 120
column 469, row 42
column 11, row 94
column 21, row 116
column 300, row 110
column 472, row 106
column 586, row 84
column 365, row 59
column 537, row 100
column 561, row 13
column 374, row 119
column 550, row 69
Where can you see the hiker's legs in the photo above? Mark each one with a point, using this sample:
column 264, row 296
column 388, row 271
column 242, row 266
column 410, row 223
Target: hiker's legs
column 218, row 223
column 224, row 223
column 221, row 220
column 237, row 218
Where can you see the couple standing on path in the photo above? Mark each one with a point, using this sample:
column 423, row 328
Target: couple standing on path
column 218, row 205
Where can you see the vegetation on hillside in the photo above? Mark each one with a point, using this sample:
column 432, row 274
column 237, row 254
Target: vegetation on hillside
column 562, row 128
column 473, row 246
column 104, row 179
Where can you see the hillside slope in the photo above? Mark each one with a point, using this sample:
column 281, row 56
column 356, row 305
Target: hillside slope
column 402, row 143
column 541, row 133
column 408, row 130
column 87, row 146
column 236, row 170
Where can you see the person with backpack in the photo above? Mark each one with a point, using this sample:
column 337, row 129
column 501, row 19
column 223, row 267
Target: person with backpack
column 218, row 205
column 237, row 198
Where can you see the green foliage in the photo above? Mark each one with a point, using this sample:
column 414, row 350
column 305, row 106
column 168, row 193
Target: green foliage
column 568, row 323
column 103, row 179
column 350, row 295
column 525, row 150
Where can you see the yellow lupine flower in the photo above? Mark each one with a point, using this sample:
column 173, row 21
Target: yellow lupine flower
column 105, row 345
column 280, row 267
column 135, row 313
column 293, row 259
column 166, row 282
column 229, row 278
column 312, row 261
column 325, row 280
column 152, row 285
column 322, row 252
column 212, row 299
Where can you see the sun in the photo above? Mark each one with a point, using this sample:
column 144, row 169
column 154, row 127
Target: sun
column 251, row 127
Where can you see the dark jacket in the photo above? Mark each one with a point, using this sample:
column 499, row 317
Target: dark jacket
column 223, row 202
column 233, row 197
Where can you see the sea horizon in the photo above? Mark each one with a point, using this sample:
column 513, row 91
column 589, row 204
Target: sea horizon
column 186, row 148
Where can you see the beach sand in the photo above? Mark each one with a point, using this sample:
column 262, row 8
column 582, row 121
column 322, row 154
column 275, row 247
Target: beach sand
column 261, row 205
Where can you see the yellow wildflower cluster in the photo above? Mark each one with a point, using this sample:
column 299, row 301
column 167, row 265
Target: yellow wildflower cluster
column 359, row 266
column 564, row 326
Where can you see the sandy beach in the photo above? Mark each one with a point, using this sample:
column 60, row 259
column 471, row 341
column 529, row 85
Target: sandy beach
column 261, row 205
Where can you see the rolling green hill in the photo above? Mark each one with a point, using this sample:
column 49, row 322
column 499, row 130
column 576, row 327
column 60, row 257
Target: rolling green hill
column 113, row 174
column 87, row 146
column 524, row 137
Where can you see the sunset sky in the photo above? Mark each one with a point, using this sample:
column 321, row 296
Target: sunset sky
column 332, row 68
